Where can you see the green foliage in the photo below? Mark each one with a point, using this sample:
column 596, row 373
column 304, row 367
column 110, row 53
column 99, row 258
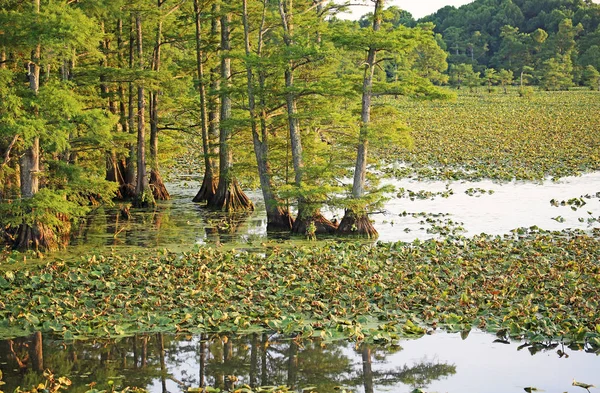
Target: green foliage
column 556, row 73
column 502, row 138
column 591, row 78
column 521, row 283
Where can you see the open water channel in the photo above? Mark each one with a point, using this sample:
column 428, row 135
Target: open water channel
column 441, row 362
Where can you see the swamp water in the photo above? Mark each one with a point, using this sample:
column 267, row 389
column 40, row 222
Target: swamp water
column 424, row 210
column 437, row 363
column 441, row 362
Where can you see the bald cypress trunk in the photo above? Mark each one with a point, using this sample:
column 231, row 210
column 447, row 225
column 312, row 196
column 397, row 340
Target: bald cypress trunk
column 159, row 190
column 278, row 218
column 229, row 196
column 309, row 220
column 36, row 236
column 143, row 194
column 357, row 222
column 209, row 182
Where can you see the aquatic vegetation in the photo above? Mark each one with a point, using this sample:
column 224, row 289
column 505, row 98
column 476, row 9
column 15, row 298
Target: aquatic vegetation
column 423, row 194
column 498, row 137
column 534, row 284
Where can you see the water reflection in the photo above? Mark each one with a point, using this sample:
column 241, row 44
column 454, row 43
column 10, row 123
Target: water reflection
column 178, row 224
column 168, row 363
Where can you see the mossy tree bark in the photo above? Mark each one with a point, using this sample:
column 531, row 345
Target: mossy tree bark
column 229, row 196
column 356, row 221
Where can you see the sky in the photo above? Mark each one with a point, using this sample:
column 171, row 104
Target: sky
column 418, row 8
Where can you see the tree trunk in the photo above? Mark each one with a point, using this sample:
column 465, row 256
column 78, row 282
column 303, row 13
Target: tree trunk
column 111, row 157
column 143, row 194
column 209, row 184
column 367, row 369
column 159, row 190
column 229, row 196
column 37, row 353
column 308, row 215
column 36, row 235
column 357, row 223
column 128, row 191
column 121, row 171
column 2, row 59
column 278, row 218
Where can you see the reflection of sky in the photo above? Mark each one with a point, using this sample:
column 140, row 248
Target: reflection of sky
column 512, row 205
column 481, row 366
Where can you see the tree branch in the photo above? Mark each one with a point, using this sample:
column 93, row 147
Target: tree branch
column 7, row 154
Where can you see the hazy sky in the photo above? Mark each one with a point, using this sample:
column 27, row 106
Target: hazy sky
column 418, row 8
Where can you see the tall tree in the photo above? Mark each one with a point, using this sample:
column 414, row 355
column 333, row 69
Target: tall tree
column 229, row 196
column 278, row 216
column 157, row 185
column 309, row 218
column 143, row 194
column 356, row 220
column 209, row 181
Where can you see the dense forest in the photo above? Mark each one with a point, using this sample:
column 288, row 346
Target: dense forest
column 98, row 98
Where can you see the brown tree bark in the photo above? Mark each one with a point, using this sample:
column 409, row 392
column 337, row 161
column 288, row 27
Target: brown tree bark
column 229, row 196
column 128, row 190
column 159, row 190
column 278, row 218
column 309, row 216
column 143, row 194
column 357, row 223
column 209, row 182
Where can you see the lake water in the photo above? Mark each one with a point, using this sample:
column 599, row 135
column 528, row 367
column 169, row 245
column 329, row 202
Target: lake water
column 440, row 362
column 437, row 363
column 436, row 209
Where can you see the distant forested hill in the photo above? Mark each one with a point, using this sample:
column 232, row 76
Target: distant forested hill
column 538, row 36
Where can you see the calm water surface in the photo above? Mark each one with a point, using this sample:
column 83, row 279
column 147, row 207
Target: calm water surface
column 448, row 208
column 437, row 363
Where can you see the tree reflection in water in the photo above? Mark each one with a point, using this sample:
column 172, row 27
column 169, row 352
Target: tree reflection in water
column 166, row 363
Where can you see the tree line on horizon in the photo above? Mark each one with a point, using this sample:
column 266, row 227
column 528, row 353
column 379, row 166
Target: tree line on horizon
column 97, row 97
column 551, row 43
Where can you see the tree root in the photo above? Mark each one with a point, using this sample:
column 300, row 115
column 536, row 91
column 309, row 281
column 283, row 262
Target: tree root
column 312, row 225
column 40, row 237
column 126, row 192
column 158, row 186
column 207, row 190
column 230, row 199
column 280, row 220
column 357, row 225
column 144, row 200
